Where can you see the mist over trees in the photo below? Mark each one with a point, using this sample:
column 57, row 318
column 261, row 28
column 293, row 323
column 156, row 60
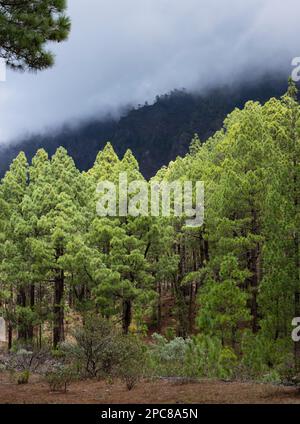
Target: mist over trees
column 156, row 134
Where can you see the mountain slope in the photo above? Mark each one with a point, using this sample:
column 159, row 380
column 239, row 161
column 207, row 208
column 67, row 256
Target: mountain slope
column 155, row 133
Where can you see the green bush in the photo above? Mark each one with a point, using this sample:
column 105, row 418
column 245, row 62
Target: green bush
column 261, row 355
column 60, row 378
column 207, row 358
column 167, row 358
column 100, row 351
column 23, row 377
column 196, row 357
column 227, row 364
column 272, row 377
column 288, row 372
column 170, row 333
column 132, row 366
column 96, row 350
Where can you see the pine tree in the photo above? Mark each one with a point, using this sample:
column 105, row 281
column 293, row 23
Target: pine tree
column 55, row 210
column 26, row 27
column 14, row 270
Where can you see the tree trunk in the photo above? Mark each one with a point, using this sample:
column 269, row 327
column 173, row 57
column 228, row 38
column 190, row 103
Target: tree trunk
column 58, row 309
column 10, row 336
column 32, row 303
column 21, row 301
column 182, row 295
column 255, row 269
column 127, row 315
column 191, row 309
column 159, row 307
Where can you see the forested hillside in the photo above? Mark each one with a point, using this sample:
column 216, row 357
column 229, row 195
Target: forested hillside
column 156, row 133
column 234, row 282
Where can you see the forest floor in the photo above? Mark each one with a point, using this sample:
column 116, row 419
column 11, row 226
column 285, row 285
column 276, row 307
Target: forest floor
column 159, row 392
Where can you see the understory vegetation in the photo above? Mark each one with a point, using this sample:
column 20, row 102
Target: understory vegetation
column 85, row 296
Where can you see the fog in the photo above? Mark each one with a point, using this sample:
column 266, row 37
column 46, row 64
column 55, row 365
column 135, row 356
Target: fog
column 126, row 52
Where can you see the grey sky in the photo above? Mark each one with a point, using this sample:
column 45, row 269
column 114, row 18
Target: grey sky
column 127, row 51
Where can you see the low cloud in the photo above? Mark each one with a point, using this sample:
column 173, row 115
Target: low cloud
column 123, row 52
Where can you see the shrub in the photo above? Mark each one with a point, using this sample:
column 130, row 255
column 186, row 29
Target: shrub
column 23, row 377
column 94, row 350
column 227, row 364
column 102, row 352
column 288, row 373
column 24, row 360
column 262, row 355
column 131, row 379
column 197, row 357
column 170, row 333
column 132, row 365
column 60, row 378
column 273, row 377
column 167, row 357
column 206, row 357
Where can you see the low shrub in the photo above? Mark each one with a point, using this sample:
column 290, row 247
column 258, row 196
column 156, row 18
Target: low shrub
column 272, row 377
column 167, row 358
column 133, row 361
column 100, row 351
column 261, row 356
column 24, row 360
column 23, row 377
column 60, row 378
column 192, row 358
column 96, row 351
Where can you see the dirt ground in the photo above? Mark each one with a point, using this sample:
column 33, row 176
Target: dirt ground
column 159, row 392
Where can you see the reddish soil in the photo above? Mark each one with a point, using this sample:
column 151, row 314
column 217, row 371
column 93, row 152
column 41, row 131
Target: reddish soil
column 160, row 391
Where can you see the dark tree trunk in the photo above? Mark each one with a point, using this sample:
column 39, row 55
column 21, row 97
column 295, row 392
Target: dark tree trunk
column 206, row 250
column 182, row 295
column 32, row 303
column 10, row 336
column 191, row 309
column 255, row 268
column 58, row 309
column 126, row 315
column 159, row 315
column 21, row 301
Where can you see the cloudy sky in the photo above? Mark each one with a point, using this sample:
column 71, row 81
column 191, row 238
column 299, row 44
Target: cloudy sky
column 128, row 51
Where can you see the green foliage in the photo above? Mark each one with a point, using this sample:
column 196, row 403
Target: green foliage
column 208, row 358
column 102, row 352
column 262, row 356
column 198, row 357
column 26, row 28
column 23, row 377
column 133, row 364
column 96, row 349
column 60, row 378
column 167, row 357
column 222, row 309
